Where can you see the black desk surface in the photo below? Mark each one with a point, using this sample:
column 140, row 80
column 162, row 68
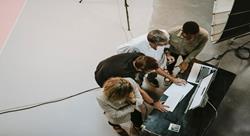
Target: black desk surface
column 194, row 122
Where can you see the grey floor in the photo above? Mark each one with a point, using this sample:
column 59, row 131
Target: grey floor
column 53, row 51
column 234, row 112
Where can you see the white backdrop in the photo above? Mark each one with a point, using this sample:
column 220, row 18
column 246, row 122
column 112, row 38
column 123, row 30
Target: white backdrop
column 52, row 52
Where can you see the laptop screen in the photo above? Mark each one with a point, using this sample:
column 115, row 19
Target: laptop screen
column 201, row 91
column 198, row 72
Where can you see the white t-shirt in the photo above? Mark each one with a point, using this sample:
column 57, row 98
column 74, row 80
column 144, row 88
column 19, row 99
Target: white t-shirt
column 141, row 44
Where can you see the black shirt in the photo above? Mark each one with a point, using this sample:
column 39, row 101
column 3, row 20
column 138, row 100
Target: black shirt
column 120, row 65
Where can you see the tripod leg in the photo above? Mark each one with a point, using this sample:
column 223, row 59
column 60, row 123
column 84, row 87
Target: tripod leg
column 127, row 15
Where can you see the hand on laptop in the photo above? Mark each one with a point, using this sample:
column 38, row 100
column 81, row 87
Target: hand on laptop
column 179, row 81
column 160, row 106
column 183, row 66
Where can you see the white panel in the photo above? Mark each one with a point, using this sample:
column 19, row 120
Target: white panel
column 221, row 11
column 220, row 18
column 215, row 38
column 223, row 5
column 217, row 29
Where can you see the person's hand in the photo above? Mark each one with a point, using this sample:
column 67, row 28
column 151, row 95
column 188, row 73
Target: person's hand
column 183, row 66
column 159, row 106
column 179, row 81
column 131, row 98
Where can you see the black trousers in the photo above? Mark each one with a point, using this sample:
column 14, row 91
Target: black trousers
column 136, row 118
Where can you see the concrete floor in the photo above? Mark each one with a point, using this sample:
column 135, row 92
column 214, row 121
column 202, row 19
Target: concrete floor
column 38, row 64
column 234, row 111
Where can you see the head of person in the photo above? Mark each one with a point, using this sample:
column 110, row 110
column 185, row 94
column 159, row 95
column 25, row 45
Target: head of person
column 189, row 30
column 158, row 38
column 145, row 64
column 152, row 79
column 117, row 88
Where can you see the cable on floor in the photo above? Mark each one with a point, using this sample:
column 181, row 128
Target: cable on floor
column 241, row 52
column 211, row 121
column 26, row 107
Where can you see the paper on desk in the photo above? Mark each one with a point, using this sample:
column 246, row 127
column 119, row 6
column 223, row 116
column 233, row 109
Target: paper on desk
column 175, row 94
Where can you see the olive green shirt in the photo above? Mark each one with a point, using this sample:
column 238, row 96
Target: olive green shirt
column 181, row 46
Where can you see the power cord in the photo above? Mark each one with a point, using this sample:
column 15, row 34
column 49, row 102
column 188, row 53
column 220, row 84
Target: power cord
column 240, row 52
column 211, row 121
column 26, row 107
column 216, row 113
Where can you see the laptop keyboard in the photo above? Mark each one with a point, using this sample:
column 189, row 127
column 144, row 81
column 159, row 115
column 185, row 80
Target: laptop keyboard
column 204, row 71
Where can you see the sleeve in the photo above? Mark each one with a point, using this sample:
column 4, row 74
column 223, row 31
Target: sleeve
column 197, row 50
column 112, row 112
column 138, row 97
column 127, row 49
column 173, row 32
column 99, row 77
column 131, row 46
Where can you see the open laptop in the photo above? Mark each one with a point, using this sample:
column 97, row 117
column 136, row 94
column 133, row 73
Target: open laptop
column 175, row 94
column 200, row 92
column 199, row 72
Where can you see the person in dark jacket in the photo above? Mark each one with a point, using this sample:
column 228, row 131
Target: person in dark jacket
column 133, row 65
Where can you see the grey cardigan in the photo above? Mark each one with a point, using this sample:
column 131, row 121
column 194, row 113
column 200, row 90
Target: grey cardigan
column 118, row 112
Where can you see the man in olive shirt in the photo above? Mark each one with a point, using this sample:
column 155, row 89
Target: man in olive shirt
column 188, row 41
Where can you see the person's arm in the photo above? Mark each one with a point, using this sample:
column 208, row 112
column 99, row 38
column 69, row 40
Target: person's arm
column 131, row 46
column 146, row 97
column 137, row 94
column 198, row 49
column 184, row 65
column 177, row 81
column 157, row 105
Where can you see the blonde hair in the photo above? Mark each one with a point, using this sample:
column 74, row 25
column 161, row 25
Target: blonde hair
column 117, row 88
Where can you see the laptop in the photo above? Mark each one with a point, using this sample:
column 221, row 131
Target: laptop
column 199, row 72
column 200, row 92
column 175, row 94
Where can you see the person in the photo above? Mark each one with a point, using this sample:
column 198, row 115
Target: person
column 186, row 41
column 133, row 65
column 152, row 86
column 154, row 44
column 121, row 102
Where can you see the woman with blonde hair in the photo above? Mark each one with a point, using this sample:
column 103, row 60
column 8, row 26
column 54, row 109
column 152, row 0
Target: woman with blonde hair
column 121, row 101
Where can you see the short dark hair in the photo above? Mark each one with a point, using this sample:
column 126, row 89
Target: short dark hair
column 146, row 63
column 152, row 79
column 190, row 27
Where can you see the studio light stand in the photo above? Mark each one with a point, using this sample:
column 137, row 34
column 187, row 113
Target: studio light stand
column 127, row 15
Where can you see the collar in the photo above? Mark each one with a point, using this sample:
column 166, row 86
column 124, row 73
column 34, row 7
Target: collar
column 179, row 34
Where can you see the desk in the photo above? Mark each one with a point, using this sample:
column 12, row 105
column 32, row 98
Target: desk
column 195, row 122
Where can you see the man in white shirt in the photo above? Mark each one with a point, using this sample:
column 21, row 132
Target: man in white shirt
column 153, row 44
